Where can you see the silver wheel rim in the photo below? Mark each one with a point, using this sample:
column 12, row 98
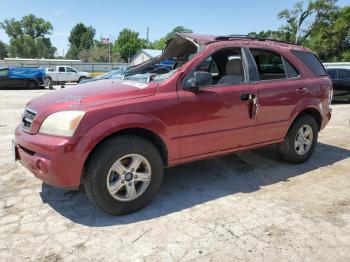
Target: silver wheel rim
column 303, row 140
column 129, row 177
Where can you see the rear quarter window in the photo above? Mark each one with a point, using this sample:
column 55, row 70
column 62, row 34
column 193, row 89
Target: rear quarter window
column 311, row 61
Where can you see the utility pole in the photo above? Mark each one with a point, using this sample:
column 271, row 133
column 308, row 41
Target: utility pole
column 147, row 36
column 109, row 52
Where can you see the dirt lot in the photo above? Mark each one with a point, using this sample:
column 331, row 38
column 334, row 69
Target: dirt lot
column 250, row 206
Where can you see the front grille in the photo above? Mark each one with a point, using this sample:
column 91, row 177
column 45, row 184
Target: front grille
column 27, row 118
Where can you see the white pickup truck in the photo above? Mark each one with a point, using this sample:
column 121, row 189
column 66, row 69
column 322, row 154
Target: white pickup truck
column 62, row 74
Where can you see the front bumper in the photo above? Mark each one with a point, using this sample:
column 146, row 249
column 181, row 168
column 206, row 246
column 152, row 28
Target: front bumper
column 52, row 159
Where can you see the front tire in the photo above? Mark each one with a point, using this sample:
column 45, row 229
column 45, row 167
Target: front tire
column 300, row 141
column 123, row 175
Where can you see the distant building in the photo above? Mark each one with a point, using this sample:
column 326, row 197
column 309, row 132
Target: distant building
column 144, row 55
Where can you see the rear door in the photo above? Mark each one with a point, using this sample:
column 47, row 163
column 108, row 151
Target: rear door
column 279, row 89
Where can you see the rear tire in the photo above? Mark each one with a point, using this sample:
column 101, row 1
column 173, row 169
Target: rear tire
column 48, row 82
column 300, row 141
column 82, row 78
column 107, row 158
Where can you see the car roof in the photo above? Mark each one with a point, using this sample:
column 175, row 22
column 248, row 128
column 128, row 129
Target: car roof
column 209, row 39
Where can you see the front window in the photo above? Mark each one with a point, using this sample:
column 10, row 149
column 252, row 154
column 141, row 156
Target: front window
column 71, row 70
column 225, row 67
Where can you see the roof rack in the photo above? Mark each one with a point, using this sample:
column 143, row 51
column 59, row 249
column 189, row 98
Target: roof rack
column 232, row 37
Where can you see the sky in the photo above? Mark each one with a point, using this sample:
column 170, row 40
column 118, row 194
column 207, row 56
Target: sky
column 108, row 17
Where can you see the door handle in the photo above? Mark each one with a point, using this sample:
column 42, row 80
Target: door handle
column 247, row 97
column 301, row 90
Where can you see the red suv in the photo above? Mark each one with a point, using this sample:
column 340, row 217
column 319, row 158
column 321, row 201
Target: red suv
column 224, row 94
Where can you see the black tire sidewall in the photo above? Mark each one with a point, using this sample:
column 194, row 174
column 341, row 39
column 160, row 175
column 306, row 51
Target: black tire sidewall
column 101, row 167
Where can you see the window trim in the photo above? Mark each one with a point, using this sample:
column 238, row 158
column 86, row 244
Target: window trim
column 244, row 66
column 282, row 57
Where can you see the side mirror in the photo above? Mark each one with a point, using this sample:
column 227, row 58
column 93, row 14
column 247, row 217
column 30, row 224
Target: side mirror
column 198, row 80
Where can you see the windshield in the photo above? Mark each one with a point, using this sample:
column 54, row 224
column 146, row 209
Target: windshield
column 178, row 51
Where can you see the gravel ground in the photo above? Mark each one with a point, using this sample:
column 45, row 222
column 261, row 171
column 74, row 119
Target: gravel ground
column 249, row 206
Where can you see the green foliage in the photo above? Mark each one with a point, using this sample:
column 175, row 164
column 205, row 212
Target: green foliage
column 279, row 35
column 160, row 44
column 303, row 20
column 128, row 43
column 3, row 50
column 99, row 53
column 81, row 38
column 331, row 40
column 28, row 37
column 320, row 25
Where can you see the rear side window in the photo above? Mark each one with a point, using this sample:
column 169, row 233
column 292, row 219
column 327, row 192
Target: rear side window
column 290, row 69
column 272, row 66
column 311, row 61
column 343, row 74
column 61, row 69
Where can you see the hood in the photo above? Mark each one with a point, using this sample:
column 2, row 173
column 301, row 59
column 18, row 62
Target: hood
column 83, row 96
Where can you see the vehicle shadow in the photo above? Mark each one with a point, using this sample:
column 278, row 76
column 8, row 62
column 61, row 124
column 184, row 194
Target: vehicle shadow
column 191, row 184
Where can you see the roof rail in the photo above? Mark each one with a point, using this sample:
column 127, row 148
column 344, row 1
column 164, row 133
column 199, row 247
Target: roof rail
column 232, row 37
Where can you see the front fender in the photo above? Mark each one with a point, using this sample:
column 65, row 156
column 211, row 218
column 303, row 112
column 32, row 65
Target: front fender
column 112, row 125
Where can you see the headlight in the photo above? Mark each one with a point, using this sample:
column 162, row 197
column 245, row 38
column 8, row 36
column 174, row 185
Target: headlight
column 63, row 123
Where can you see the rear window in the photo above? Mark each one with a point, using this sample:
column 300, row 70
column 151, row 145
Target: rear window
column 310, row 60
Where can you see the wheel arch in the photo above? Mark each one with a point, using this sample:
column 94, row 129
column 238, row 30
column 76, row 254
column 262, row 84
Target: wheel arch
column 312, row 111
column 143, row 126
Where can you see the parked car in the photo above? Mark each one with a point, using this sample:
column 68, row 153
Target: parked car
column 26, row 77
column 341, row 83
column 114, row 137
column 63, row 74
column 113, row 74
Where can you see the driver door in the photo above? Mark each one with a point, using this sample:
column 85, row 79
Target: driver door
column 216, row 117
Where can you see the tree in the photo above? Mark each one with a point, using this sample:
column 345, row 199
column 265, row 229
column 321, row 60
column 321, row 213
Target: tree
column 128, row 43
column 160, row 44
column 269, row 34
column 337, row 35
column 81, row 38
column 99, row 53
column 302, row 21
column 28, row 37
column 3, row 50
